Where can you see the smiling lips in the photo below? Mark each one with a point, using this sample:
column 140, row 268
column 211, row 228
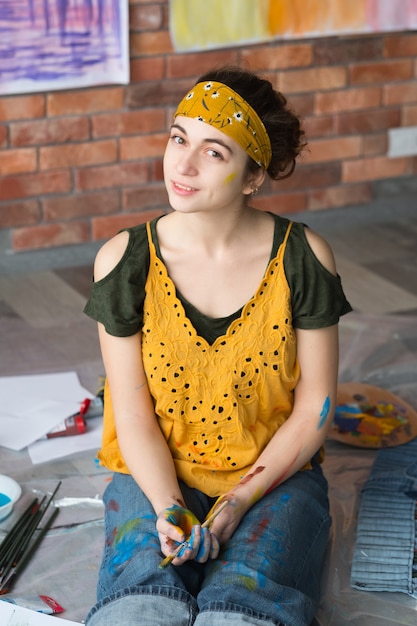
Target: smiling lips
column 183, row 189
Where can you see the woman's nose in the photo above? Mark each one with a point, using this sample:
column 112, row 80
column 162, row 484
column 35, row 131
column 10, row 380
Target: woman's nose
column 187, row 164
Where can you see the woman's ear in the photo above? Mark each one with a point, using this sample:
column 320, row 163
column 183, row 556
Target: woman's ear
column 254, row 181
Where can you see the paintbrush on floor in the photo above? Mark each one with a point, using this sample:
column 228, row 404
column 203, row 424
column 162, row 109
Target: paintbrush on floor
column 19, row 546
column 6, row 586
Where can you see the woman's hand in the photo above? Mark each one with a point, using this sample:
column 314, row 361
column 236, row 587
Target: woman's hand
column 177, row 525
column 226, row 522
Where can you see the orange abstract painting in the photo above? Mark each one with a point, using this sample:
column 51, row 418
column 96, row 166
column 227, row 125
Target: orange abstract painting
column 208, row 24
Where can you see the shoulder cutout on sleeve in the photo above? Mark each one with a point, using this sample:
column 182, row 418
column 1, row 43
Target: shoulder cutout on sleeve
column 321, row 249
column 110, row 255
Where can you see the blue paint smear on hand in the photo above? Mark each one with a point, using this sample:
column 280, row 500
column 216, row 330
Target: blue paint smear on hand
column 324, row 412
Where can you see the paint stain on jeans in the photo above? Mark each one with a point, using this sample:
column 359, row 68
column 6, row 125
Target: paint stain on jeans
column 128, row 540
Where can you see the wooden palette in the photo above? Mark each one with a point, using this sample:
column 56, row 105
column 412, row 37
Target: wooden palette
column 371, row 417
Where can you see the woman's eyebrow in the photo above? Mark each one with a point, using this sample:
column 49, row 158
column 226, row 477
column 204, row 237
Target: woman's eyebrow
column 207, row 140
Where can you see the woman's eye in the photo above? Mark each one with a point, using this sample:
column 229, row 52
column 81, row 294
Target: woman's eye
column 215, row 154
column 177, row 139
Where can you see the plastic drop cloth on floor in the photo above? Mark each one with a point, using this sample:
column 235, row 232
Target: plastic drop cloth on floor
column 378, row 350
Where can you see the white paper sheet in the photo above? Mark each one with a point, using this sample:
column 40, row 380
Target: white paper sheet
column 12, row 615
column 50, row 449
column 30, row 406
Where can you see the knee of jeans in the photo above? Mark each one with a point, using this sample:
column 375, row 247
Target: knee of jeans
column 143, row 609
column 229, row 618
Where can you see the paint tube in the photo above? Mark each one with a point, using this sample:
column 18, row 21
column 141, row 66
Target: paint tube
column 76, row 424
column 40, row 604
column 73, row 425
column 92, row 407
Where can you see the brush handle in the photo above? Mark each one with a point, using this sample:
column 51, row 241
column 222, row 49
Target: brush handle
column 167, row 560
column 209, row 520
column 206, row 524
column 7, row 585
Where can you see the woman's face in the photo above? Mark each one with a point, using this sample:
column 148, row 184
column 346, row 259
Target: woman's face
column 204, row 169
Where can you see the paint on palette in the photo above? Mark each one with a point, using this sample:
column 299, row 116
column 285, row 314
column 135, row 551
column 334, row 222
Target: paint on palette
column 372, row 417
column 375, row 420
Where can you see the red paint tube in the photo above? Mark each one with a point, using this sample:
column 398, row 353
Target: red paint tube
column 91, row 407
column 73, row 425
column 40, row 604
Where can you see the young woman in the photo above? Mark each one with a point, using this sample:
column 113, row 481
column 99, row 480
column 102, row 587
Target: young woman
column 218, row 330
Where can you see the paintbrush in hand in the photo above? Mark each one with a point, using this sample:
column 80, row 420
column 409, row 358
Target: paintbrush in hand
column 206, row 524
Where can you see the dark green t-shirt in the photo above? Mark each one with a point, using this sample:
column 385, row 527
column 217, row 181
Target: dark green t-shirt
column 317, row 296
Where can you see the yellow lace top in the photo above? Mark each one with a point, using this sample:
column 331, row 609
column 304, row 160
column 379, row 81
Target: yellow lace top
column 219, row 404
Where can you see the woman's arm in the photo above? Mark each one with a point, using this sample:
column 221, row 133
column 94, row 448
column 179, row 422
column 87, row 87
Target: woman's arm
column 143, row 447
column 142, row 444
column 141, row 441
column 302, row 435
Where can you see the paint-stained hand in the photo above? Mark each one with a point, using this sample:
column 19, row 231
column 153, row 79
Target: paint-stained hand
column 176, row 526
column 225, row 524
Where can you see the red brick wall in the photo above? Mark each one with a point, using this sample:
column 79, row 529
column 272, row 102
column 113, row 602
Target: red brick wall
column 77, row 166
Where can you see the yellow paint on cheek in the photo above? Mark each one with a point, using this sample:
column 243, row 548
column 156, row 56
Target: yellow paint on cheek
column 229, row 178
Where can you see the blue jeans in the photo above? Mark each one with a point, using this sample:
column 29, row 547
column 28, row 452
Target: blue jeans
column 267, row 573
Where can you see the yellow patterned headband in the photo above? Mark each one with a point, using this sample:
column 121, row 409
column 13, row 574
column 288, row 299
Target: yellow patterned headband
column 216, row 104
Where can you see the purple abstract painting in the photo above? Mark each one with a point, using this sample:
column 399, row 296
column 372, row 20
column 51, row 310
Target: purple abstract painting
column 62, row 44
